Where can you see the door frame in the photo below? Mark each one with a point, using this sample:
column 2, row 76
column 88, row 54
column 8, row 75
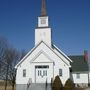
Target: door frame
column 36, row 66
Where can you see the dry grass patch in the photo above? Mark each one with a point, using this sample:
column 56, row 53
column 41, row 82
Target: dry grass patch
column 79, row 88
column 2, row 86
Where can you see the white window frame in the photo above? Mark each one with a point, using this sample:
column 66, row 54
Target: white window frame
column 60, row 72
column 44, row 72
column 78, row 75
column 24, row 72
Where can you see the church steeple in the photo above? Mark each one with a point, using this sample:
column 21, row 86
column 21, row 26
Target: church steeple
column 43, row 8
column 43, row 31
column 43, row 19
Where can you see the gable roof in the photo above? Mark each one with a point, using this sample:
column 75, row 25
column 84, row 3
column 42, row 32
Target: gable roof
column 49, row 48
column 79, row 64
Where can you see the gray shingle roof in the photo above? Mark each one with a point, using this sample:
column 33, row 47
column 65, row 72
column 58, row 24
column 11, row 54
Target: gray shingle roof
column 79, row 64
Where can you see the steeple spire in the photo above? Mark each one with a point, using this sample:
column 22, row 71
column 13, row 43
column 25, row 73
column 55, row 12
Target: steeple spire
column 43, row 31
column 43, row 8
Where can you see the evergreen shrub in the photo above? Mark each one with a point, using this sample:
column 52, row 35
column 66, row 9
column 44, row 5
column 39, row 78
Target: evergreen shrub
column 57, row 84
column 69, row 85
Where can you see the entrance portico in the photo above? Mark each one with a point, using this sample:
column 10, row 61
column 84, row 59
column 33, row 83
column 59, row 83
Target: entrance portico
column 43, row 73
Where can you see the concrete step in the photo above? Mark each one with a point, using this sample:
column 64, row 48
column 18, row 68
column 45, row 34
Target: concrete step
column 39, row 86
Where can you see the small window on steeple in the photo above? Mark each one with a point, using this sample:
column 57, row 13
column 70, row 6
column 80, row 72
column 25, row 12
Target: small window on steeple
column 43, row 21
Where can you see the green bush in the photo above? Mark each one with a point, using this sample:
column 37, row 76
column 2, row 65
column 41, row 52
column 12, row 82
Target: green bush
column 57, row 84
column 69, row 85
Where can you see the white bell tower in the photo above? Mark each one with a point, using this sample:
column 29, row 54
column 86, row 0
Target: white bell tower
column 43, row 32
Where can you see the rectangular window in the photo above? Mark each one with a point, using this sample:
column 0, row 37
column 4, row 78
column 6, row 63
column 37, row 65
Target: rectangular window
column 78, row 75
column 45, row 73
column 24, row 72
column 38, row 72
column 60, row 72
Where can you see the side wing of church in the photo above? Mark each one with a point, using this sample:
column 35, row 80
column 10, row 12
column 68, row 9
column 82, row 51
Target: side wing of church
column 45, row 60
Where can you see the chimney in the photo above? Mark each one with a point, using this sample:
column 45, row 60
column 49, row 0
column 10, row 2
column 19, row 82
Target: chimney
column 85, row 55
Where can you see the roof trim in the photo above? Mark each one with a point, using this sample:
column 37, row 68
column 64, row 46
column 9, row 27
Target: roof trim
column 80, row 72
column 56, row 54
column 28, row 54
column 41, row 52
column 35, row 48
column 62, row 53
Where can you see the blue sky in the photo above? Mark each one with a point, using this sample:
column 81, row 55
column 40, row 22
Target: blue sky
column 69, row 20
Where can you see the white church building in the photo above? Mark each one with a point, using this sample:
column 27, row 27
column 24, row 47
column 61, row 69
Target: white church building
column 46, row 60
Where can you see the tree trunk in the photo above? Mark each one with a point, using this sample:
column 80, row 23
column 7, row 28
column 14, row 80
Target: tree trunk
column 6, row 77
column 13, row 86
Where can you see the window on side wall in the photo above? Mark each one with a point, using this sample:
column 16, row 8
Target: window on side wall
column 78, row 75
column 24, row 72
column 60, row 72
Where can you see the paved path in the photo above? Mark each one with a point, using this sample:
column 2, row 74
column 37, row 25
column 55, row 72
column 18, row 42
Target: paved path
column 39, row 87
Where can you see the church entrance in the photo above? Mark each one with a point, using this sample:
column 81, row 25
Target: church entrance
column 41, row 73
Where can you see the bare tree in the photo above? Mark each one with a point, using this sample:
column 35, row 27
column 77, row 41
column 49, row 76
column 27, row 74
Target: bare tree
column 9, row 56
column 12, row 57
column 3, row 47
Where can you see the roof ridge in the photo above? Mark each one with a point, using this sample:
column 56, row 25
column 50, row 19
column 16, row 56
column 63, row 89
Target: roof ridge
column 75, row 55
